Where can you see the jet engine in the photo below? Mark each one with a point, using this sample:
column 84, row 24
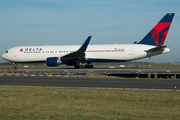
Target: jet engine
column 53, row 61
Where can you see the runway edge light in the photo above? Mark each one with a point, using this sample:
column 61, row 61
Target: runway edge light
column 175, row 89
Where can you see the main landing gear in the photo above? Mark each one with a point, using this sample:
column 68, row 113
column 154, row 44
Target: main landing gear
column 83, row 66
column 78, row 66
column 88, row 66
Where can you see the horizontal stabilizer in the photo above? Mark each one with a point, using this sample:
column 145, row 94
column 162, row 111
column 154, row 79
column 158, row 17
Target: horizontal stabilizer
column 158, row 48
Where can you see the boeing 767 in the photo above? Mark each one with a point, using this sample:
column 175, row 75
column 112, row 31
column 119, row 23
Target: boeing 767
column 82, row 56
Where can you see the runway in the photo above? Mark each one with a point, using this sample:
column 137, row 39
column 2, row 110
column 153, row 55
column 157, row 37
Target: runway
column 99, row 70
column 89, row 82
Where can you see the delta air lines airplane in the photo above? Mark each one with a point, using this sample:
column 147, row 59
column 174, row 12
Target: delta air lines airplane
column 82, row 56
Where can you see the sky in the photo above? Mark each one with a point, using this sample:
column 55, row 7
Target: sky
column 70, row 22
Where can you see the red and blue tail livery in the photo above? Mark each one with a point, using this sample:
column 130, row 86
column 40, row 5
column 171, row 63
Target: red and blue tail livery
column 158, row 34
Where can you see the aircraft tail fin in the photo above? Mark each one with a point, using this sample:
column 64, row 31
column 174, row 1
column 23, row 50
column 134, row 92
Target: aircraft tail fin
column 158, row 34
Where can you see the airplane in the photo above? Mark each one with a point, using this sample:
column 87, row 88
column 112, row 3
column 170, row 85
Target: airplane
column 83, row 56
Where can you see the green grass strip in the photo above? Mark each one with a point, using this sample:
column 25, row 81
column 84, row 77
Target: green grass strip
column 39, row 103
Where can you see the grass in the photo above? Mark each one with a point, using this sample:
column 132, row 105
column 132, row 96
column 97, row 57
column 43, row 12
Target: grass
column 3, row 70
column 94, row 75
column 36, row 103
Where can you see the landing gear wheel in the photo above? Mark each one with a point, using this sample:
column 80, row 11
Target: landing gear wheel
column 89, row 66
column 14, row 66
column 76, row 66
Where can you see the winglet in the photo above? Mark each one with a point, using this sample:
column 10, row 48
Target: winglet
column 79, row 53
column 85, row 44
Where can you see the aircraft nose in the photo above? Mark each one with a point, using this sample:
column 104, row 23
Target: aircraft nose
column 4, row 56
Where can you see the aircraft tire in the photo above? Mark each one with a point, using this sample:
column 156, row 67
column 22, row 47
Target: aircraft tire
column 77, row 66
column 14, row 67
column 91, row 66
column 88, row 66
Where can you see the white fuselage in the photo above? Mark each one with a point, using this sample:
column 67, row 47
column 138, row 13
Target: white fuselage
column 94, row 53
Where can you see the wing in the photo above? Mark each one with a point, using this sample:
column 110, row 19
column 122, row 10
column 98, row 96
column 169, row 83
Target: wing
column 79, row 54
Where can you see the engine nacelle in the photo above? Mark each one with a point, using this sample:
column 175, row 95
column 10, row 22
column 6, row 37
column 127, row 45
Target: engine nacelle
column 53, row 61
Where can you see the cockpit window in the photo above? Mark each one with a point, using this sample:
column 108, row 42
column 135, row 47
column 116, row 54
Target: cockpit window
column 6, row 52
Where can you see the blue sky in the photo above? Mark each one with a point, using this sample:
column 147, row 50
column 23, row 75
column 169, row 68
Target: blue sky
column 66, row 22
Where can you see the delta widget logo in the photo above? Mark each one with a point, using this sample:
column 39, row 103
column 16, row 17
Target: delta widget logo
column 21, row 50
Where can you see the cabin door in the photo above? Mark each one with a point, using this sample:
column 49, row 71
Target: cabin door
column 130, row 51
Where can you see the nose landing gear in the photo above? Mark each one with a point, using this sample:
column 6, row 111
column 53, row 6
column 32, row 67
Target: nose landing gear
column 14, row 66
